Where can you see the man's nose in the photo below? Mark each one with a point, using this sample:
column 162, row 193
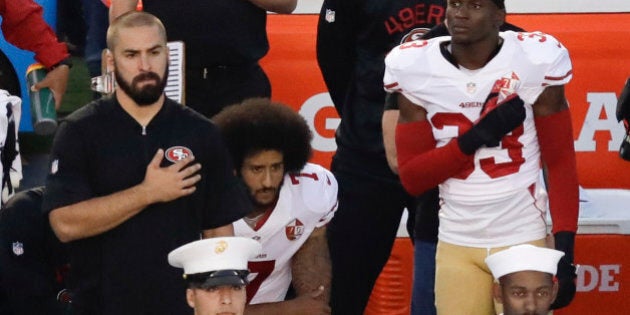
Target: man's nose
column 461, row 11
column 267, row 182
column 530, row 304
column 143, row 63
column 226, row 295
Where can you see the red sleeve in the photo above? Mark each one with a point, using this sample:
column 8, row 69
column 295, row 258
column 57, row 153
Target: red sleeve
column 555, row 137
column 421, row 165
column 23, row 26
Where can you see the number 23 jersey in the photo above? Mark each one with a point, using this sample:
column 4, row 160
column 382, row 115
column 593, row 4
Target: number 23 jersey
column 307, row 200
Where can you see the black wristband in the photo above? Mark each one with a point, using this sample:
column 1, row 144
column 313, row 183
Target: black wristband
column 391, row 101
column 65, row 61
column 565, row 241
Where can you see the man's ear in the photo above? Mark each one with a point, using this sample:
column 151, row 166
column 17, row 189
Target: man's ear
column 498, row 294
column 190, row 297
column 109, row 60
column 499, row 18
column 554, row 291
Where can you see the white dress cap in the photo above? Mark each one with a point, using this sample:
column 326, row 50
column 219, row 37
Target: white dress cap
column 213, row 254
column 524, row 257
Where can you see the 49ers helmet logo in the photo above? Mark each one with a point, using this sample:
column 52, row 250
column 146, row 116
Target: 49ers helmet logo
column 177, row 153
column 294, row 229
column 414, row 34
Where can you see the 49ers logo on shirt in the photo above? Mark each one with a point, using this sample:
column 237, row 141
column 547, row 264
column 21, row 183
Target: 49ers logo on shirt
column 294, row 230
column 177, row 153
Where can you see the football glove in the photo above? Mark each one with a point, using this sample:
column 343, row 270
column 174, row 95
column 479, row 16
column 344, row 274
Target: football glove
column 566, row 274
column 494, row 123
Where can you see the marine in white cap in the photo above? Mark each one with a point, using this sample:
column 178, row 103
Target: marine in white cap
column 526, row 278
column 216, row 272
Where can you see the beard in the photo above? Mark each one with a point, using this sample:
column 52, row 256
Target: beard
column 147, row 94
column 262, row 203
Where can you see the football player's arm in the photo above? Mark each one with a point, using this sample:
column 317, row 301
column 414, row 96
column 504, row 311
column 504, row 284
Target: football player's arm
column 100, row 214
column 555, row 137
column 311, row 272
column 421, row 165
column 119, row 7
column 311, row 267
column 388, row 124
column 391, row 113
column 277, row 6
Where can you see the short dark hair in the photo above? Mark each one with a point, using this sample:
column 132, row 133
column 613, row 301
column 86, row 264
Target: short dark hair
column 499, row 3
column 257, row 124
column 132, row 19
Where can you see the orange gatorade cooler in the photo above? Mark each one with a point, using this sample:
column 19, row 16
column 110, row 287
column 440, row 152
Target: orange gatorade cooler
column 601, row 246
column 391, row 294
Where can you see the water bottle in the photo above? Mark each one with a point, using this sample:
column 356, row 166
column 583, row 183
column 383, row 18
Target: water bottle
column 43, row 113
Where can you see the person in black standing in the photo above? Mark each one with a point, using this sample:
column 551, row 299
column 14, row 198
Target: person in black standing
column 135, row 176
column 224, row 40
column 352, row 41
column 33, row 263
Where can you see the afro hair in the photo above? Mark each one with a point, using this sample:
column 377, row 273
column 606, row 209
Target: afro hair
column 257, row 124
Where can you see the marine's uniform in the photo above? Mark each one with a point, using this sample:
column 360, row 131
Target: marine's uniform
column 100, row 150
column 499, row 200
column 307, row 201
column 224, row 40
column 353, row 38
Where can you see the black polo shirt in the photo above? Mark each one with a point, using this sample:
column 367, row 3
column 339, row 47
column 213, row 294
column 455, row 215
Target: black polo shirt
column 31, row 258
column 217, row 32
column 99, row 150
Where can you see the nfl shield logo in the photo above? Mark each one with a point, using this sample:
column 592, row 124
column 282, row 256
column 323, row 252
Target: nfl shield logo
column 54, row 166
column 330, row 16
column 18, row 248
column 471, row 87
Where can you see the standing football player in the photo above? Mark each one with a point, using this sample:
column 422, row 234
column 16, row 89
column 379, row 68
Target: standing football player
column 480, row 113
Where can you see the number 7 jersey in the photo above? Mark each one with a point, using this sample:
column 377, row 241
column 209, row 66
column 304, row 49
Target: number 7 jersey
column 452, row 96
column 307, row 200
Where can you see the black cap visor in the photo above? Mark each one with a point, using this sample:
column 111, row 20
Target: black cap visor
column 217, row 278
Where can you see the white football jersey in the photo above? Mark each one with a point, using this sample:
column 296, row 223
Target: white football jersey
column 307, row 200
column 15, row 175
column 485, row 203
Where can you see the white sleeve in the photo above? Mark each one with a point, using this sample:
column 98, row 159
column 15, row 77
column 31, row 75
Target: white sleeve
column 320, row 195
column 15, row 173
column 551, row 61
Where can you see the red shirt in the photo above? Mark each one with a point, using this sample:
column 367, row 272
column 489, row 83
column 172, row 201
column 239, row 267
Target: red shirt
column 23, row 26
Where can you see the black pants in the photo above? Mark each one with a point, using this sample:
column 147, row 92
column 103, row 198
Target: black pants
column 210, row 89
column 361, row 236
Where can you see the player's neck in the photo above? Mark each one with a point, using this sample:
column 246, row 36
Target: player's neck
column 258, row 217
column 142, row 114
column 475, row 55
